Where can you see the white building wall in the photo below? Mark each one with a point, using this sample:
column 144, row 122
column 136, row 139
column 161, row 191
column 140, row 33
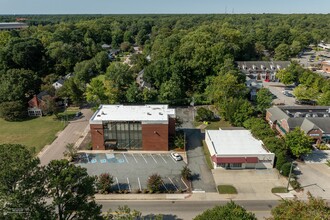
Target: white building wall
column 209, row 144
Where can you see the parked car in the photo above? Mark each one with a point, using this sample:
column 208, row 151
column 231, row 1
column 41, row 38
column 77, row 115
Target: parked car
column 176, row 156
column 78, row 114
column 305, row 102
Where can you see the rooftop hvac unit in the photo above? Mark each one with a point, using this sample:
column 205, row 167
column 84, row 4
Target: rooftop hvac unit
column 278, row 67
column 254, row 67
column 326, row 115
column 315, row 115
column 298, row 114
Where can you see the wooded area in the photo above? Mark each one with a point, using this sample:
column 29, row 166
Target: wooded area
column 185, row 57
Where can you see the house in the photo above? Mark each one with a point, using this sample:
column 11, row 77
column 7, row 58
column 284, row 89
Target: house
column 12, row 25
column 237, row 149
column 37, row 103
column 140, row 81
column 105, row 46
column 136, row 127
column 60, row 82
column 326, row 66
column 254, row 86
column 262, row 70
column 313, row 120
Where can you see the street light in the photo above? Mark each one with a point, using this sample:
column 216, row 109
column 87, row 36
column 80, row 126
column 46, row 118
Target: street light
column 287, row 187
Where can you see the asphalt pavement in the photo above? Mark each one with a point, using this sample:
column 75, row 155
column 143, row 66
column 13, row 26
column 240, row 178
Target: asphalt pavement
column 72, row 133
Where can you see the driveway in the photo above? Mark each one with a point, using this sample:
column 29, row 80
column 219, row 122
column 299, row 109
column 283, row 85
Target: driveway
column 277, row 88
column 132, row 170
column 315, row 178
column 202, row 176
column 74, row 131
column 256, row 184
column 186, row 115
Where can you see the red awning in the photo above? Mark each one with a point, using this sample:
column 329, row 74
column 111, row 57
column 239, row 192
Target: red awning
column 218, row 160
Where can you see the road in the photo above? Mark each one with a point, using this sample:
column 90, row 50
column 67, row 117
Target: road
column 173, row 210
column 70, row 134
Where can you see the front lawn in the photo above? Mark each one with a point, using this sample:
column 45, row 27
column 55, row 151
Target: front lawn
column 227, row 189
column 211, row 125
column 34, row 132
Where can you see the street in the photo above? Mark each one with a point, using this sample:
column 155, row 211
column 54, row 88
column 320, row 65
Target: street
column 173, row 210
column 70, row 134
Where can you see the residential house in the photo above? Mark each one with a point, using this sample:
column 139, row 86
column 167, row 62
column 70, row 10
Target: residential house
column 262, row 70
column 254, row 86
column 313, row 120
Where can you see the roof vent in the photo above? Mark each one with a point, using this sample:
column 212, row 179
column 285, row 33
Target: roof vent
column 326, row 115
column 315, row 115
column 148, row 113
column 160, row 113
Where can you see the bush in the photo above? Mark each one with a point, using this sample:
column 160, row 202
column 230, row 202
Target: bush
column 285, row 168
column 104, row 182
column 322, row 147
column 13, row 111
column 279, row 189
column 295, row 184
column 204, row 114
column 154, row 182
column 281, row 159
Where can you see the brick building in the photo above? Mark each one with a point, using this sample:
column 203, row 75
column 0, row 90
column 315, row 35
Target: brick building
column 313, row 120
column 132, row 127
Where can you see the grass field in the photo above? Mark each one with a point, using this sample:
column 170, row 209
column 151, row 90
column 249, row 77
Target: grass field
column 227, row 189
column 36, row 132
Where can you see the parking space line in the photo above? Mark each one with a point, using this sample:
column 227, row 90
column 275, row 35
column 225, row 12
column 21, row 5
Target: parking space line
column 139, row 184
column 125, row 157
column 134, row 158
column 172, row 159
column 164, row 186
column 162, row 158
column 144, row 158
column 117, row 183
column 129, row 186
column 153, row 158
column 184, row 183
column 173, row 184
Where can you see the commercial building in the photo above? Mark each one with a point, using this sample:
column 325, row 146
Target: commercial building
column 237, row 149
column 313, row 120
column 262, row 70
column 12, row 25
column 123, row 127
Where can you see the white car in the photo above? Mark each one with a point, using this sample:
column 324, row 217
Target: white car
column 176, row 156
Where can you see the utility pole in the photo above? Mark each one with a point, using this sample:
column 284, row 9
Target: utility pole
column 287, row 187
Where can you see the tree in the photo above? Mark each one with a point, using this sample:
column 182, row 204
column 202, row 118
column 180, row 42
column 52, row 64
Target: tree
column 21, row 181
column 285, row 76
column 298, row 142
column 264, row 100
column 18, row 85
column 154, row 182
column 71, row 190
column 186, row 173
column 236, row 110
column 282, row 52
column 96, row 92
column 324, row 99
column 229, row 211
column 123, row 213
column 104, row 182
column 134, row 93
column 314, row 208
column 70, row 151
column 13, row 111
column 303, row 92
column 71, row 90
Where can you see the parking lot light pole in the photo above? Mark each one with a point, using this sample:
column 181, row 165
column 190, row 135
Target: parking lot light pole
column 287, row 187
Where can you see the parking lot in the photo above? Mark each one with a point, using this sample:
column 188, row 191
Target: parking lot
column 132, row 170
column 277, row 89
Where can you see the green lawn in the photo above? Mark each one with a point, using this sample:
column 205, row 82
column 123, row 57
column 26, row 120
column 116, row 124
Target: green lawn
column 36, row 132
column 207, row 156
column 279, row 189
column 227, row 189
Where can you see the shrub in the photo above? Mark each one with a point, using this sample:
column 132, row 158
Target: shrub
column 295, row 184
column 281, row 159
column 186, row 173
column 285, row 168
column 322, row 147
column 204, row 114
column 154, row 182
column 105, row 180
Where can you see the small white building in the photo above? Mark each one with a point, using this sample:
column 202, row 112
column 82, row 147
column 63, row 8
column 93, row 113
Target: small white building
column 237, row 149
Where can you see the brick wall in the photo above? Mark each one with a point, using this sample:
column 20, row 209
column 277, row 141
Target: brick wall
column 316, row 134
column 171, row 126
column 97, row 137
column 155, row 137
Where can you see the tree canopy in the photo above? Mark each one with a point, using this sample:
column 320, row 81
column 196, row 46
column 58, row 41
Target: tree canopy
column 298, row 142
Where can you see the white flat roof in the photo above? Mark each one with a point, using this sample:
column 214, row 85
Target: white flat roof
column 143, row 113
column 235, row 142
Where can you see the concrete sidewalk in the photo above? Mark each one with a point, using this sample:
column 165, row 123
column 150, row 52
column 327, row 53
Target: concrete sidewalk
column 194, row 196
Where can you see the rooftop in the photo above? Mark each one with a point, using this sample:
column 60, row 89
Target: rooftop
column 143, row 113
column 12, row 25
column 235, row 142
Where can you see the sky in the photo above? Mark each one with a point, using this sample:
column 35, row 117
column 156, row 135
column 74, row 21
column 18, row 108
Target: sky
column 162, row 6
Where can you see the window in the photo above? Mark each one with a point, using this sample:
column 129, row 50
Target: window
column 236, row 165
